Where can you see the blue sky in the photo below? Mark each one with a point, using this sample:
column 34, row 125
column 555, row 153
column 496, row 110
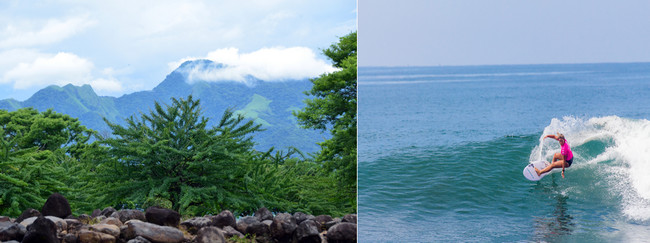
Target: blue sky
column 121, row 46
column 477, row 32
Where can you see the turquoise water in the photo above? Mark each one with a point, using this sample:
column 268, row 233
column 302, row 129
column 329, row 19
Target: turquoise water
column 442, row 149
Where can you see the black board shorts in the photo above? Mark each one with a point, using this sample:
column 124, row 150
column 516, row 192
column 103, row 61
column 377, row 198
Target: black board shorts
column 569, row 162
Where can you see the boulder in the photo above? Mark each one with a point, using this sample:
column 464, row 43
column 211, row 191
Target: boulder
column 193, row 225
column 28, row 214
column 59, row 223
column 70, row 238
column 42, row 230
column 283, row 226
column 223, row 219
column 258, row 228
column 57, row 206
column 263, row 214
column 350, row 218
column 11, row 231
column 307, row 232
column 96, row 213
column 152, row 232
column 112, row 221
column 106, row 229
column 229, row 231
column 244, row 222
column 108, row 211
column 74, row 225
column 210, row 234
column 129, row 214
column 300, row 216
column 322, row 219
column 85, row 218
column 162, row 216
column 329, row 224
column 89, row 236
column 342, row 233
column 5, row 219
column 138, row 239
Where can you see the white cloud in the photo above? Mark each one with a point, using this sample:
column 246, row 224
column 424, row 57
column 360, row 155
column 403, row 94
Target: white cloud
column 27, row 33
column 268, row 64
column 106, row 85
column 60, row 69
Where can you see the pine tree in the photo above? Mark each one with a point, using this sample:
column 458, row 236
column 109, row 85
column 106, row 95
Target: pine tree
column 172, row 155
column 334, row 108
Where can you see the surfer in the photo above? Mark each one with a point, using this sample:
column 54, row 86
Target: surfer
column 563, row 159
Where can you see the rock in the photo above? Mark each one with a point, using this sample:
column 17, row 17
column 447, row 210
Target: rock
column 89, row 236
column 5, row 219
column 60, row 223
column 283, row 227
column 152, row 232
column 263, row 214
column 210, row 234
column 112, row 221
column 300, row 216
column 107, row 212
column 307, row 232
column 129, row 214
column 99, row 218
column 258, row 228
column 106, row 229
column 74, row 225
column 193, row 225
column 42, row 230
column 329, row 224
column 229, row 231
column 244, row 222
column 11, row 231
column 350, row 218
column 70, row 238
column 322, row 219
column 28, row 214
column 138, row 239
column 342, row 233
column 56, row 205
column 96, row 213
column 162, row 216
column 85, row 218
column 223, row 219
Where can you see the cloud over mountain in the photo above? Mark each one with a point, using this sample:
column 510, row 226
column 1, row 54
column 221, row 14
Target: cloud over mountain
column 268, row 64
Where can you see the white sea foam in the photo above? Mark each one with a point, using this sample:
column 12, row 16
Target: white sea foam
column 627, row 147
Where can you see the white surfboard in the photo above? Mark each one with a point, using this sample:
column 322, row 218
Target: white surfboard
column 529, row 170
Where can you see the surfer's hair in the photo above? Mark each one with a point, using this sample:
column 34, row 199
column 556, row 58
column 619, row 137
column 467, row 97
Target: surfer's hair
column 560, row 135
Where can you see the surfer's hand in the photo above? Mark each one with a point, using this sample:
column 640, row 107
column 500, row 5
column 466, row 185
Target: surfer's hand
column 562, row 174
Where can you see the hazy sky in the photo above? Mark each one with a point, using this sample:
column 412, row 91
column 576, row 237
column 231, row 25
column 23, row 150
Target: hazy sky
column 124, row 46
column 464, row 32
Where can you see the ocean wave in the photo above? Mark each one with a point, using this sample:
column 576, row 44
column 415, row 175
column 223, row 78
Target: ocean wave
column 616, row 146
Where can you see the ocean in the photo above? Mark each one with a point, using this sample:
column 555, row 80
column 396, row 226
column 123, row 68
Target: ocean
column 442, row 149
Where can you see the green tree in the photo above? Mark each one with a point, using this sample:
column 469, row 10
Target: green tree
column 37, row 158
column 172, row 155
column 334, row 107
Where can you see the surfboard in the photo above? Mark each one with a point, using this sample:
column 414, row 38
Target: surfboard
column 529, row 170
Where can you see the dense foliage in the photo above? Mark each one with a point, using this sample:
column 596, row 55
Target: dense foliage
column 36, row 158
column 335, row 108
column 174, row 157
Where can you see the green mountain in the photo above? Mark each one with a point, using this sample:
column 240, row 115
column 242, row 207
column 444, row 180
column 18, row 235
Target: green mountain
column 267, row 103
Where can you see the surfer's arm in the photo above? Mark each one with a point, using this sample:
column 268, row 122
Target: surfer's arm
column 551, row 136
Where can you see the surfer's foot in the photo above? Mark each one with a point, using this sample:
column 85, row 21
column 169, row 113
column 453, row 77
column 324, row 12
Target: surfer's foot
column 538, row 172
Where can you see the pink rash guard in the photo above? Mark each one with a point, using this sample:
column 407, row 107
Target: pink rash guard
column 566, row 151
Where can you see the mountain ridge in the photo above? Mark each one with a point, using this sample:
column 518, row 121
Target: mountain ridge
column 267, row 103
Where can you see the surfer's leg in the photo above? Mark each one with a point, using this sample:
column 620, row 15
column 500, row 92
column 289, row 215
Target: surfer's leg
column 557, row 156
column 556, row 164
